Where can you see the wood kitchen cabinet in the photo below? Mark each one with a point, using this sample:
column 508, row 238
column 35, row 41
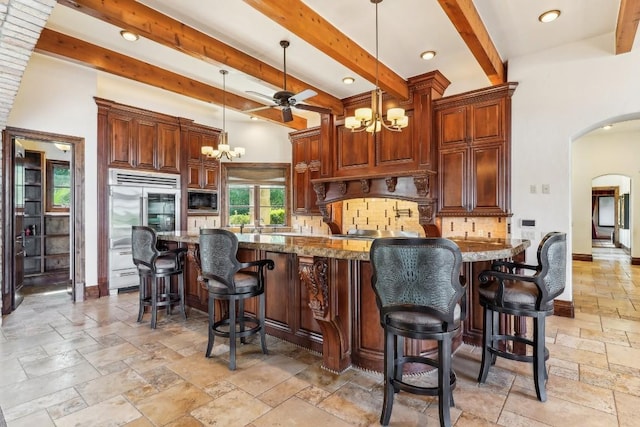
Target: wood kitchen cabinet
column 305, row 158
column 359, row 153
column 201, row 172
column 140, row 139
column 311, row 158
column 473, row 140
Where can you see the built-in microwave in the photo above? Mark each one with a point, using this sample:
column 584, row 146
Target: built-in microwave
column 202, row 202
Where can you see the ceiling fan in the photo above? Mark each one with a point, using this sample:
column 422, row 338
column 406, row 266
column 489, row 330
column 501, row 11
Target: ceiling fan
column 286, row 99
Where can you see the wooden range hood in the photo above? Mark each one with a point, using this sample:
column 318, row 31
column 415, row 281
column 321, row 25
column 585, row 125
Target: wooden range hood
column 415, row 186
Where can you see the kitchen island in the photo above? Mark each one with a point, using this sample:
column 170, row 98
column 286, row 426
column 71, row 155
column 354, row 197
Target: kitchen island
column 319, row 296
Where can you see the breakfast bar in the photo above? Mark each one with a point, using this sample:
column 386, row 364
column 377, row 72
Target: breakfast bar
column 319, row 296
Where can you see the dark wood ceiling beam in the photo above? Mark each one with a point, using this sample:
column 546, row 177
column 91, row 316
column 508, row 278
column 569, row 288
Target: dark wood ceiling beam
column 465, row 17
column 304, row 22
column 627, row 26
column 153, row 25
column 57, row 44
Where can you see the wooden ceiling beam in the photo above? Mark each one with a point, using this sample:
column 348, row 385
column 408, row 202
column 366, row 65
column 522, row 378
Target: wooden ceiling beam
column 57, row 44
column 467, row 21
column 162, row 29
column 628, row 16
column 300, row 19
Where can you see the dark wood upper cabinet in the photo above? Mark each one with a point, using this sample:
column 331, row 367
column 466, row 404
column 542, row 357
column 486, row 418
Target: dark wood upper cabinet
column 306, row 149
column 201, row 172
column 364, row 153
column 139, row 139
column 473, row 136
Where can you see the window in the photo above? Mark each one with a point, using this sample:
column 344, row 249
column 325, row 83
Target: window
column 255, row 194
column 257, row 204
column 58, row 186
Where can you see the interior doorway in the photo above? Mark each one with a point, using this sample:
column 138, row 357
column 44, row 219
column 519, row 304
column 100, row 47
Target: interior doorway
column 43, row 213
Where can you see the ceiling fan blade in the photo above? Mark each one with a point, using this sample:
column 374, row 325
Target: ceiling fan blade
column 265, row 107
column 287, row 115
column 301, row 96
column 261, row 95
column 313, row 108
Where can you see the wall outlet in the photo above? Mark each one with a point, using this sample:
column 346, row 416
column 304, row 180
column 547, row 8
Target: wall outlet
column 533, row 189
column 546, row 189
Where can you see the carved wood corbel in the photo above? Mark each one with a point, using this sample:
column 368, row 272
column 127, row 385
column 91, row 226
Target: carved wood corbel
column 336, row 346
column 422, row 184
column 366, row 185
column 391, row 183
column 342, row 187
column 320, row 189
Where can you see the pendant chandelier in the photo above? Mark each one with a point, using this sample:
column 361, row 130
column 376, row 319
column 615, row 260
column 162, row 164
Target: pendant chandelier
column 370, row 119
column 224, row 149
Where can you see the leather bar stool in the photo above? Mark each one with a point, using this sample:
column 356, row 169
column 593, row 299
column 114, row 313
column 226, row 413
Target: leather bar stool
column 221, row 271
column 421, row 295
column 156, row 269
column 503, row 291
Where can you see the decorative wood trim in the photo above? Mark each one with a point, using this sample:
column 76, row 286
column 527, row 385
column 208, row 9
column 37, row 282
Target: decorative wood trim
column 474, row 96
column 563, row 308
column 315, row 274
column 582, row 257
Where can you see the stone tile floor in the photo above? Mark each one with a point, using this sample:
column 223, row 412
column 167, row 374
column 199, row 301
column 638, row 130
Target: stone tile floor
column 91, row 364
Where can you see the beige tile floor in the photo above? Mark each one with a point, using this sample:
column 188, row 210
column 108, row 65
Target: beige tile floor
column 91, row 364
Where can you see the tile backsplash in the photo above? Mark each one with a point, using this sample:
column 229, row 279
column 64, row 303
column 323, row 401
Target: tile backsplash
column 399, row 215
column 382, row 214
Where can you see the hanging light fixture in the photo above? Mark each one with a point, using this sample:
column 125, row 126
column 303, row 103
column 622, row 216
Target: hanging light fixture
column 224, row 149
column 370, row 119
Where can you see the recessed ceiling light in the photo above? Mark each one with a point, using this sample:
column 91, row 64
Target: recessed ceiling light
column 427, row 55
column 129, row 36
column 607, row 127
column 549, row 16
column 254, row 118
column 348, row 80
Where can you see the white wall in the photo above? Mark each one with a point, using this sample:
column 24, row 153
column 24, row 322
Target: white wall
column 563, row 93
column 602, row 159
column 58, row 97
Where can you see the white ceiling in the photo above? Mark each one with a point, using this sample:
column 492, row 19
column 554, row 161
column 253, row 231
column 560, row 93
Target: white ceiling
column 406, row 28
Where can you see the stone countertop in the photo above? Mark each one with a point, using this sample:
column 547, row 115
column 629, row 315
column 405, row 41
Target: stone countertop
column 473, row 249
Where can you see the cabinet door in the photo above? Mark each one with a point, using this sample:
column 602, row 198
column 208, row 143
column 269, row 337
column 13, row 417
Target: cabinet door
column 488, row 121
column 209, row 175
column 488, row 179
column 145, row 144
column 168, row 148
column 355, row 151
column 452, row 127
column 453, row 181
column 120, row 140
column 395, row 148
column 194, row 170
column 299, row 159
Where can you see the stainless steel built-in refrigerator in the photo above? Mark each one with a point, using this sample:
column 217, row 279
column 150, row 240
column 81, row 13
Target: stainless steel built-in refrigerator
column 136, row 198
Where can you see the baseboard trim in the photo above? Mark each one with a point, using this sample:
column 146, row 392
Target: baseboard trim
column 564, row 308
column 635, row 261
column 582, row 257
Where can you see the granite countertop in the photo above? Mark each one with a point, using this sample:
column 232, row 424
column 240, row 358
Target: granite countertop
column 473, row 249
